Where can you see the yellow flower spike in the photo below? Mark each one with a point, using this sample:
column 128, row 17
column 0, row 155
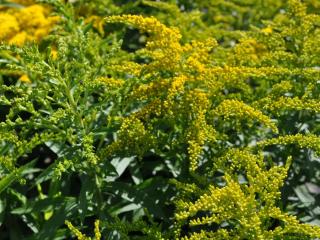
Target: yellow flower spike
column 24, row 78
column 132, row 137
column 97, row 232
column 111, row 82
column 76, row 232
column 163, row 41
column 230, row 108
column 177, row 86
column 247, row 51
column 295, row 103
column 150, row 25
column 131, row 68
column 239, row 201
column 303, row 141
column 267, row 30
column 194, row 151
column 297, row 8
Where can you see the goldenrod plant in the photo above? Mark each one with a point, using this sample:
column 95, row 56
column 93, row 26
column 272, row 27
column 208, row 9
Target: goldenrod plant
column 159, row 119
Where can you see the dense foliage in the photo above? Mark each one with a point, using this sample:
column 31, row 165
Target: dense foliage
column 160, row 120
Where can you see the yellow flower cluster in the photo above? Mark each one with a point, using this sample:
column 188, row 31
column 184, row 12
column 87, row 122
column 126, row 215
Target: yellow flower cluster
column 27, row 24
column 111, row 82
column 132, row 137
column 97, row 232
column 292, row 226
column 219, row 234
column 168, row 96
column 281, row 88
column 263, row 182
column 199, row 131
column 24, row 78
column 183, row 87
column 303, row 141
column 81, row 236
column 222, row 201
column 153, row 89
column 297, row 8
column 197, row 56
column 248, row 52
column 246, row 208
column 226, row 204
column 267, row 30
column 177, row 86
column 127, row 67
column 163, row 42
column 189, row 87
column 295, row 103
column 240, row 110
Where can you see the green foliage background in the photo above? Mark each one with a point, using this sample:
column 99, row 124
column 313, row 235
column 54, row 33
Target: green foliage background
column 162, row 136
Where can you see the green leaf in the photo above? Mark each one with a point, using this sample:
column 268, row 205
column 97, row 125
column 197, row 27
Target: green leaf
column 121, row 164
column 127, row 208
column 49, row 229
column 304, row 195
column 86, row 194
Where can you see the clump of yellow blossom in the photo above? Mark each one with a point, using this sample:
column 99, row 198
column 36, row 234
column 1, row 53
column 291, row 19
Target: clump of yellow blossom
column 288, row 103
column 81, row 236
column 75, row 231
column 267, row 30
column 25, row 78
column 303, row 141
column 30, row 23
column 97, row 232
column 111, row 82
column 132, row 137
column 169, row 96
column 246, row 208
column 239, row 110
column 163, row 41
column 9, row 26
column 248, row 51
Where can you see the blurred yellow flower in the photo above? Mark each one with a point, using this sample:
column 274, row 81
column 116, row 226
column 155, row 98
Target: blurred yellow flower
column 97, row 23
column 27, row 24
column 9, row 26
column 267, row 30
column 25, row 78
